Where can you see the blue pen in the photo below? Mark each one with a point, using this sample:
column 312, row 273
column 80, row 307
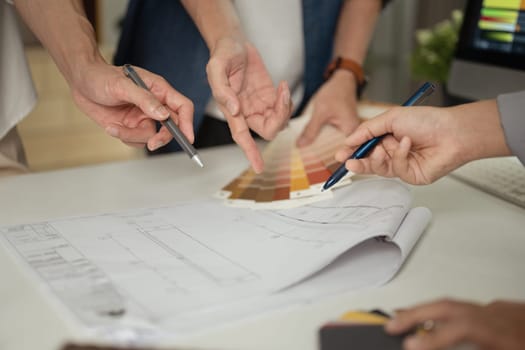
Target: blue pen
column 425, row 90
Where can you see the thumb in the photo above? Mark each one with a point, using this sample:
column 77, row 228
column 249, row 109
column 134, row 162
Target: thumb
column 377, row 126
column 310, row 131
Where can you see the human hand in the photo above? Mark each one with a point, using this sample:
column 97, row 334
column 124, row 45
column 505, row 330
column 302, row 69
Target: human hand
column 499, row 325
column 422, row 145
column 334, row 103
column 127, row 111
column 246, row 96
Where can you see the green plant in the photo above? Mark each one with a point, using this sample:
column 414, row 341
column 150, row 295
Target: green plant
column 435, row 49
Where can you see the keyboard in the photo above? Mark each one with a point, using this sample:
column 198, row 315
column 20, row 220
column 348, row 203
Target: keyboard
column 501, row 177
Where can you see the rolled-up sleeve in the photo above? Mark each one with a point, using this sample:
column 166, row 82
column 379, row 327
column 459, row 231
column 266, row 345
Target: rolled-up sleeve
column 512, row 111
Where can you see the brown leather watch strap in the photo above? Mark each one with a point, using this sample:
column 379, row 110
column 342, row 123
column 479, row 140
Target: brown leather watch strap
column 347, row 64
column 350, row 65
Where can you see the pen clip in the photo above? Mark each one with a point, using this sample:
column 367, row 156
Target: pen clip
column 126, row 69
column 130, row 73
column 427, row 92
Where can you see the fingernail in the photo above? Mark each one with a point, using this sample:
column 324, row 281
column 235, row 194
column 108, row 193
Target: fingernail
column 286, row 97
column 303, row 141
column 157, row 145
column 112, row 131
column 230, row 105
column 392, row 325
column 162, row 112
column 258, row 169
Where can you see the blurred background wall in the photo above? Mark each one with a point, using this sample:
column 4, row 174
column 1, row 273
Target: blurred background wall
column 388, row 62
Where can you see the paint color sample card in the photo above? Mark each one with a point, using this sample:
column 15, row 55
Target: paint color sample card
column 292, row 176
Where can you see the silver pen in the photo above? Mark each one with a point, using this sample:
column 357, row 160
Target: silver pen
column 168, row 123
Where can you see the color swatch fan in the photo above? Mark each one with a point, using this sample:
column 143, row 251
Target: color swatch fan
column 293, row 176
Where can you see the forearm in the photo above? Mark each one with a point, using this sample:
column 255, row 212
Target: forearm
column 479, row 130
column 64, row 30
column 215, row 19
column 355, row 28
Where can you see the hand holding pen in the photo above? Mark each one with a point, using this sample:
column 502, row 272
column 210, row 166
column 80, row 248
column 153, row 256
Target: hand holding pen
column 367, row 141
column 168, row 123
column 426, row 143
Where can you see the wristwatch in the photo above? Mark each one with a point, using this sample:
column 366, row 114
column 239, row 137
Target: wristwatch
column 352, row 66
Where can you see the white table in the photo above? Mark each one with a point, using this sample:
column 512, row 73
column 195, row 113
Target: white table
column 474, row 248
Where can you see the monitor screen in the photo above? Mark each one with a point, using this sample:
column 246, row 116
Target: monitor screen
column 490, row 56
column 494, row 33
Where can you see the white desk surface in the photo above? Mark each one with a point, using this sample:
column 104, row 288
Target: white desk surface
column 473, row 249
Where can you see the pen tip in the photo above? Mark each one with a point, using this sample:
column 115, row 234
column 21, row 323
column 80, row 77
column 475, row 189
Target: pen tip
column 197, row 160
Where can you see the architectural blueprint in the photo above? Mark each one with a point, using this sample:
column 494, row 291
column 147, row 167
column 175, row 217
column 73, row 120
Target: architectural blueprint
column 157, row 269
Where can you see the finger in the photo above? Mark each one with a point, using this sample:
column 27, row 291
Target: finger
column 311, row 130
column 283, row 111
column 380, row 162
column 358, row 166
column 133, row 118
column 410, row 318
column 134, row 145
column 348, row 121
column 368, row 165
column 183, row 118
column 389, row 143
column 445, row 336
column 377, row 163
column 179, row 106
column 275, row 118
column 400, row 163
column 223, row 94
column 343, row 154
column 377, row 126
column 126, row 91
column 290, row 107
column 133, row 135
column 160, row 139
column 241, row 135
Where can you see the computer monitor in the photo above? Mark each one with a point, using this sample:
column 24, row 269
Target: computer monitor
column 490, row 56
